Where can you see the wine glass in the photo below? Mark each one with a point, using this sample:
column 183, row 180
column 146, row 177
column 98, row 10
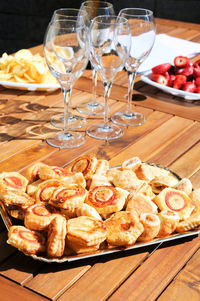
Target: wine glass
column 110, row 40
column 143, row 31
column 93, row 9
column 66, row 53
column 74, row 121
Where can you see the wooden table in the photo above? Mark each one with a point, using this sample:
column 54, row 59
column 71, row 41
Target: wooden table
column 171, row 137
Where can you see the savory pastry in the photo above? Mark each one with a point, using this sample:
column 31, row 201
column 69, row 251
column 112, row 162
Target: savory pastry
column 168, row 221
column 151, row 224
column 56, row 236
column 45, row 190
column 124, row 178
column 133, row 163
column 97, row 180
column 102, row 167
column 33, row 172
column 87, row 210
column 27, row 241
column 161, row 182
column 123, row 228
column 17, row 211
column 148, row 172
column 39, row 216
column 175, row 200
column 195, row 197
column 190, row 223
column 85, row 164
column 106, row 199
column 68, row 197
column 145, row 188
column 85, row 234
column 13, row 180
column 54, row 172
column 76, row 178
column 139, row 203
column 15, row 197
column 184, row 185
column 32, row 187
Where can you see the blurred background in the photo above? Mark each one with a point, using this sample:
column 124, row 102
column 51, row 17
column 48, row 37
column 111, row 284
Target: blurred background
column 23, row 22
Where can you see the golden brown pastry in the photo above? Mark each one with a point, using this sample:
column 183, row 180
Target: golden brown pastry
column 85, row 234
column 168, row 221
column 27, row 241
column 33, row 172
column 175, row 200
column 39, row 216
column 87, row 210
column 13, row 180
column 17, row 211
column 68, row 197
column 133, row 163
column 184, row 185
column 16, row 197
column 102, row 167
column 124, row 178
column 54, row 172
column 111, row 173
column 85, row 164
column 149, row 172
column 56, row 236
column 151, row 224
column 195, row 197
column 106, row 199
column 97, row 180
column 190, row 223
column 32, row 187
column 140, row 203
column 159, row 183
column 123, row 228
column 45, row 190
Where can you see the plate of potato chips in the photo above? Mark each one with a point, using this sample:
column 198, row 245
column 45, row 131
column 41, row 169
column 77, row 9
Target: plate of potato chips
column 26, row 71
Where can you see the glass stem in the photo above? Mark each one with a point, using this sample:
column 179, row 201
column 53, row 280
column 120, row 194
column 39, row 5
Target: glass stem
column 66, row 97
column 94, row 85
column 131, row 81
column 107, row 89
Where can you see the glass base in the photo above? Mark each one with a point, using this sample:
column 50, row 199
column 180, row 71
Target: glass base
column 125, row 119
column 99, row 131
column 70, row 140
column 91, row 108
column 75, row 121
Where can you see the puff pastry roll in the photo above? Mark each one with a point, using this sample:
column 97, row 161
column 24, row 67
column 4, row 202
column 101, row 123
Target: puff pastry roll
column 184, row 185
column 39, row 216
column 123, row 228
column 190, row 223
column 159, row 183
column 33, row 172
column 97, row 180
column 13, row 180
column 168, row 221
column 151, row 224
column 124, row 178
column 85, row 234
column 16, row 197
column 17, row 211
column 111, row 173
column 133, row 163
column 32, row 187
column 45, row 190
column 69, row 197
column 106, row 199
column 149, row 172
column 87, row 210
column 175, row 200
column 85, row 164
column 53, row 172
column 56, row 236
column 101, row 167
column 195, row 197
column 27, row 241
column 140, row 203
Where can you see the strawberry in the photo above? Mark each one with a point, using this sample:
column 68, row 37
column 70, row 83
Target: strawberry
column 187, row 71
column 197, row 63
column 196, row 72
column 189, row 87
column 181, row 61
column 171, row 80
column 179, row 81
column 197, row 81
column 197, row 90
column 161, row 69
column 160, row 79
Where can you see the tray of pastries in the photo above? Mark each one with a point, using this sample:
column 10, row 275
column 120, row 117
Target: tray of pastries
column 88, row 208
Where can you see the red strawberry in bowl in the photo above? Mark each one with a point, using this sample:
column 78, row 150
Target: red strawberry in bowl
column 160, row 79
column 161, row 69
column 181, row 61
column 189, row 87
column 187, row 70
column 179, row 81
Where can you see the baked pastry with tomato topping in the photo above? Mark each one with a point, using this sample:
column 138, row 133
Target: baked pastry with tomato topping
column 151, row 224
column 45, row 190
column 33, row 171
column 87, row 210
column 39, row 216
column 32, row 187
column 102, row 167
column 133, row 163
column 85, row 164
column 106, row 199
column 28, row 241
column 97, row 180
column 13, row 180
column 190, row 223
column 123, row 228
column 68, row 197
column 168, row 221
column 53, row 172
column 139, row 203
column 161, row 182
column 56, row 236
column 85, row 234
column 148, row 172
column 124, row 178
column 175, row 200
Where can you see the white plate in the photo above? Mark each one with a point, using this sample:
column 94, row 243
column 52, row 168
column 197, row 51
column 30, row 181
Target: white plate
column 176, row 92
column 29, row 87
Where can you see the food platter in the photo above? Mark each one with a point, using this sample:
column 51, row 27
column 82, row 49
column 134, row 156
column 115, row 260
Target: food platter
column 29, row 86
column 175, row 92
column 104, row 248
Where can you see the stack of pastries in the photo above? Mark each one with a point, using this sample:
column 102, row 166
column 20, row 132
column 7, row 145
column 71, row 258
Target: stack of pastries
column 88, row 206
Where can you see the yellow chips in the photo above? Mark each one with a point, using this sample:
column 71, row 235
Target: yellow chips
column 24, row 67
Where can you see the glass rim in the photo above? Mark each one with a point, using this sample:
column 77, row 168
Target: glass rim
column 55, row 22
column 70, row 9
column 128, row 10
column 99, row 2
column 124, row 20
